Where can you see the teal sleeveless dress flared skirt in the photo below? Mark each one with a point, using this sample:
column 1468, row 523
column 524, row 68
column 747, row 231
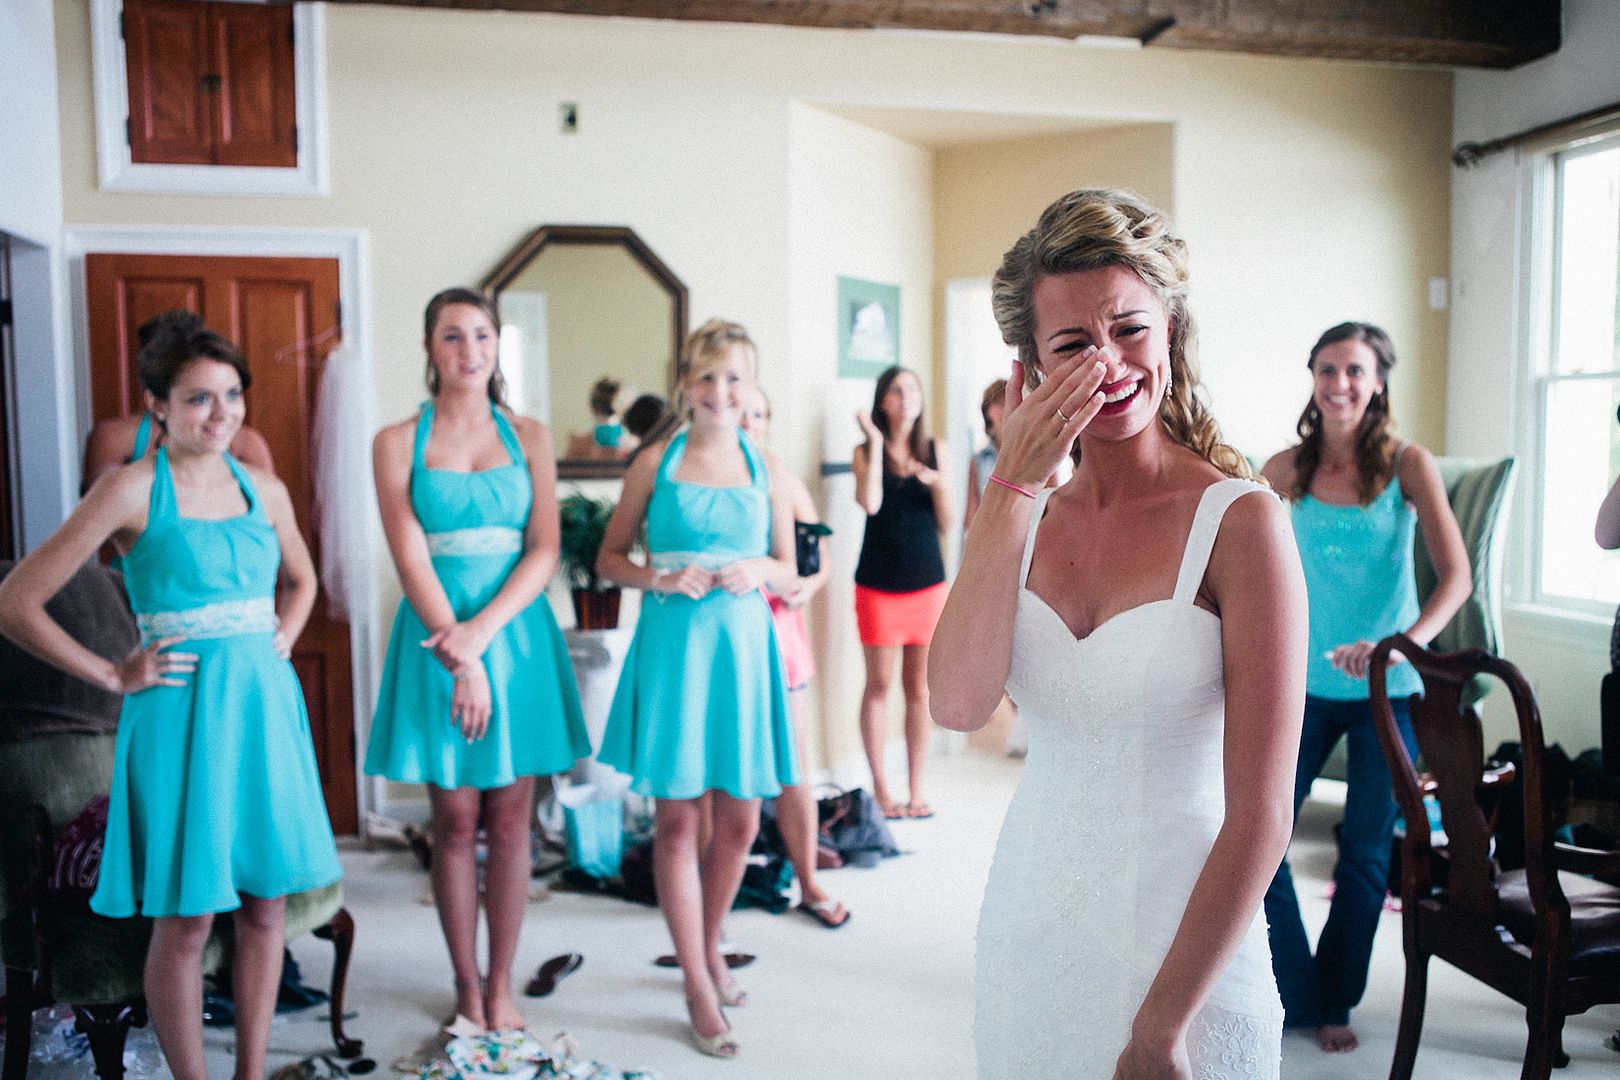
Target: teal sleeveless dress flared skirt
column 702, row 702
column 215, row 791
column 475, row 525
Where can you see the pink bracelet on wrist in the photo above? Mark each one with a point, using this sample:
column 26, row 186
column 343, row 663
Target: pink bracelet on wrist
column 1010, row 486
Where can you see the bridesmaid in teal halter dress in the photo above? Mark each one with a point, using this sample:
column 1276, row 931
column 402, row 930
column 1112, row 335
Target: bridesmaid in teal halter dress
column 702, row 704
column 477, row 694
column 120, row 440
column 216, row 803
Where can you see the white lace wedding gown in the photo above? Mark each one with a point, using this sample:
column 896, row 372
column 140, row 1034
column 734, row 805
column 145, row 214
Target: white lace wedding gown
column 1120, row 801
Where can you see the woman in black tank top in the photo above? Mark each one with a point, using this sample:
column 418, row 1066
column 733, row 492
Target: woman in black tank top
column 900, row 580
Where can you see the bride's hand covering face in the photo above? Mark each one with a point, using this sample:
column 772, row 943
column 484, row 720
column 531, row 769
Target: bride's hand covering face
column 1035, row 436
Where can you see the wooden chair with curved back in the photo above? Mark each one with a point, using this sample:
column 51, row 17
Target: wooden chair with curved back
column 1545, row 936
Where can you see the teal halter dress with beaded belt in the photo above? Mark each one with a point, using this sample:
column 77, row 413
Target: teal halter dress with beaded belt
column 475, row 523
column 215, row 792
column 702, row 701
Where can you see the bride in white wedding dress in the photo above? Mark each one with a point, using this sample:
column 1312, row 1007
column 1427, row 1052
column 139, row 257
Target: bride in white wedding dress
column 1148, row 617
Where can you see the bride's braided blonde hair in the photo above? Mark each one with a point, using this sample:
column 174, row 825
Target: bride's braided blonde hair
column 1088, row 230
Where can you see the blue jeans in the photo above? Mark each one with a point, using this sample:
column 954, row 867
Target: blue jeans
column 1322, row 989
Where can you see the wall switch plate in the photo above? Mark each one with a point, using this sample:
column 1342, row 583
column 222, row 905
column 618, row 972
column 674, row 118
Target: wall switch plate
column 1439, row 294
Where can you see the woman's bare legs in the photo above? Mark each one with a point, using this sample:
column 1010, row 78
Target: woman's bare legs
column 261, row 939
column 796, row 815
column 680, row 898
column 875, row 716
column 919, row 725
column 506, row 893
column 173, row 985
column 455, row 891
column 736, row 822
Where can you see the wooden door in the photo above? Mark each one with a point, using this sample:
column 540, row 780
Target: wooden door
column 273, row 309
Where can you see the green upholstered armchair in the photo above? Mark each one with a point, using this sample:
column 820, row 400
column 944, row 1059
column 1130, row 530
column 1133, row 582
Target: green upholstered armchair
column 56, row 754
column 1479, row 491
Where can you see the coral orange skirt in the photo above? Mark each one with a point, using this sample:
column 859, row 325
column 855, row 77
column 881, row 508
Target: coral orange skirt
column 890, row 618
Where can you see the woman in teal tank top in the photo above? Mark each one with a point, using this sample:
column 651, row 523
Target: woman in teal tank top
column 216, row 802
column 1357, row 497
column 702, row 707
column 477, row 695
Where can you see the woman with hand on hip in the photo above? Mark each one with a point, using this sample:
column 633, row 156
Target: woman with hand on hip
column 477, row 694
column 1149, row 618
column 901, row 481
column 1357, row 495
column 796, row 810
column 216, row 802
column 702, row 708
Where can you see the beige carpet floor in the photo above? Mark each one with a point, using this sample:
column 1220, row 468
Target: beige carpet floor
column 889, row 996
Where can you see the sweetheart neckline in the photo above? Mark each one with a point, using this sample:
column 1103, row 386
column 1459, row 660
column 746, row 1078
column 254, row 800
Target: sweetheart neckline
column 1118, row 615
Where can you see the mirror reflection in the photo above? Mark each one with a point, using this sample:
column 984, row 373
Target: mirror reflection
column 591, row 325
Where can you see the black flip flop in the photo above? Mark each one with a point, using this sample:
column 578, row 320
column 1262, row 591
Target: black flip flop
column 734, row 960
column 552, row 972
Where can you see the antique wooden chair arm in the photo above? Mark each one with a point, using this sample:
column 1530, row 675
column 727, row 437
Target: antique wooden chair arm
column 1604, row 865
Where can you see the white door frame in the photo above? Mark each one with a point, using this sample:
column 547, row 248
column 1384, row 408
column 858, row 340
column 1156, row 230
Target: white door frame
column 351, row 249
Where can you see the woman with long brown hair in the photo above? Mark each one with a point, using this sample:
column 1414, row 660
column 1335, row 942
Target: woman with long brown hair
column 1357, row 495
column 1148, row 617
column 477, row 694
column 900, row 481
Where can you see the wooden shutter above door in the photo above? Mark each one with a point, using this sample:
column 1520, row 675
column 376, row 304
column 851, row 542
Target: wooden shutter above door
column 254, row 120
column 210, row 83
column 166, row 52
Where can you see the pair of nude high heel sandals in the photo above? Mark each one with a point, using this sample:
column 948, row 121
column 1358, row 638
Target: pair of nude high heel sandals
column 722, row 1044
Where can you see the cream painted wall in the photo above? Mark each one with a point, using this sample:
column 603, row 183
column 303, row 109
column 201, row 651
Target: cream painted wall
column 861, row 206
column 1563, row 656
column 1310, row 191
column 988, row 194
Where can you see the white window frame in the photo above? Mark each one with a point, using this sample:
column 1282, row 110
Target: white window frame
column 1534, row 377
column 118, row 172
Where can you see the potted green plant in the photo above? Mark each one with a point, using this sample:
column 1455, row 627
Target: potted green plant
column 584, row 523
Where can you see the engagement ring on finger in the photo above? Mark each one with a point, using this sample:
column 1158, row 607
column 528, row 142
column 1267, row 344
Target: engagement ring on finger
column 1061, row 417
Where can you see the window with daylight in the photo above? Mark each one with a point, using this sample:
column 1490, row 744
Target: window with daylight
column 1575, row 376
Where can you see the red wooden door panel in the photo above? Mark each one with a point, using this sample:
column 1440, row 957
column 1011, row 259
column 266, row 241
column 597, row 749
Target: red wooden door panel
column 255, row 106
column 166, row 47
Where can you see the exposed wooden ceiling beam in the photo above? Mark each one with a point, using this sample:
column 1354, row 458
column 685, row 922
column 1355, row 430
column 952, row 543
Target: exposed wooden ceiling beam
column 1464, row 33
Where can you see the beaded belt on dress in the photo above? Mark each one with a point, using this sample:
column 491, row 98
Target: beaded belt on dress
column 227, row 618
column 483, row 540
column 666, row 561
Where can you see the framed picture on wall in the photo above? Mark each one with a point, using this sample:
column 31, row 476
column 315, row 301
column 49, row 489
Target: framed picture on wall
column 868, row 328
